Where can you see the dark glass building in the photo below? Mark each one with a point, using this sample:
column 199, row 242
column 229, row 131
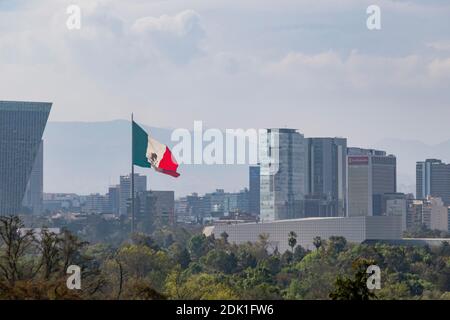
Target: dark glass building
column 327, row 177
column 254, row 189
column 433, row 179
column 21, row 127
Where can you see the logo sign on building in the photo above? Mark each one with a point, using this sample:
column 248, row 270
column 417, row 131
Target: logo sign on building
column 358, row 160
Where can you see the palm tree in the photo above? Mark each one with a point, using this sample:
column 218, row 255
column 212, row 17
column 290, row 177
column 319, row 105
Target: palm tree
column 292, row 240
column 317, row 241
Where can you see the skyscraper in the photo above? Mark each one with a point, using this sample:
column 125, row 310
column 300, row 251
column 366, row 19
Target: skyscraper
column 283, row 177
column 370, row 175
column 254, row 189
column 114, row 199
column 433, row 179
column 21, row 127
column 33, row 199
column 140, row 184
column 327, row 176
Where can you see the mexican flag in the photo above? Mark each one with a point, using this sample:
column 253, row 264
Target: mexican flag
column 147, row 153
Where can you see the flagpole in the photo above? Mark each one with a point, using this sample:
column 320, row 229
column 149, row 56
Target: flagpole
column 132, row 178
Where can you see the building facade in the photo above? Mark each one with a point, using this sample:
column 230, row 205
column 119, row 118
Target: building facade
column 433, row 179
column 140, row 184
column 430, row 212
column 154, row 207
column 254, row 190
column 370, row 175
column 22, row 125
column 283, row 178
column 354, row 229
column 33, row 199
column 327, row 177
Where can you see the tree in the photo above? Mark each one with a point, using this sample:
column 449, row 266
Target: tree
column 263, row 240
column 337, row 244
column 317, row 242
column 70, row 250
column 201, row 286
column 356, row 288
column 292, row 240
column 198, row 245
column 224, row 236
column 49, row 247
column 221, row 260
column 180, row 255
column 16, row 241
column 299, row 253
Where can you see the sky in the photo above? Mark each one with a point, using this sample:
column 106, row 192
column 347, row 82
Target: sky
column 306, row 64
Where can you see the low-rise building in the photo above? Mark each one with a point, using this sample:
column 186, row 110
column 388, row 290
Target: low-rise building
column 354, row 229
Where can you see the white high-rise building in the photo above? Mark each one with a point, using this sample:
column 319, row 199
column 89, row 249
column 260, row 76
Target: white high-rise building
column 283, row 179
column 140, row 184
column 370, row 175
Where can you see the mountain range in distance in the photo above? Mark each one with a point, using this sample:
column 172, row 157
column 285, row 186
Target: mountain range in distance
column 87, row 157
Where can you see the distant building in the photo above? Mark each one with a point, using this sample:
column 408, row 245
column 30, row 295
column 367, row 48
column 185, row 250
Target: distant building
column 97, row 203
column 237, row 202
column 21, row 127
column 283, row 179
column 433, row 179
column 398, row 207
column 189, row 208
column 327, row 177
column 55, row 202
column 370, row 175
column 33, row 199
column 154, row 206
column 140, row 184
column 430, row 212
column 354, row 229
column 448, row 217
column 114, row 199
column 254, row 190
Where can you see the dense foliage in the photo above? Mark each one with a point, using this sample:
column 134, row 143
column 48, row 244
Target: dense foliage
column 173, row 263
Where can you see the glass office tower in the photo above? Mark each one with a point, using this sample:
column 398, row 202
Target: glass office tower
column 22, row 125
column 283, row 189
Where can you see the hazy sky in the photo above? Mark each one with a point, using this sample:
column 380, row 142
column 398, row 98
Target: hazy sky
column 311, row 65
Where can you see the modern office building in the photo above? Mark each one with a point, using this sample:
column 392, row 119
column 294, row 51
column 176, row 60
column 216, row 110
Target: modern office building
column 97, row 203
column 327, row 177
column 188, row 208
column 22, row 125
column 140, row 184
column 254, row 190
column 433, row 179
column 283, row 174
column 237, row 202
column 114, row 198
column 33, row 199
column 154, row 206
column 354, row 229
column 370, row 175
column 398, row 207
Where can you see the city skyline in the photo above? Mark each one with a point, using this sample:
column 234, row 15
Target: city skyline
column 59, row 160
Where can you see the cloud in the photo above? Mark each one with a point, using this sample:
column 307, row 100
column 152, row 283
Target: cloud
column 178, row 37
column 233, row 63
column 440, row 68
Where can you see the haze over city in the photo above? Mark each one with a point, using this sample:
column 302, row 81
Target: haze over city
column 309, row 65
